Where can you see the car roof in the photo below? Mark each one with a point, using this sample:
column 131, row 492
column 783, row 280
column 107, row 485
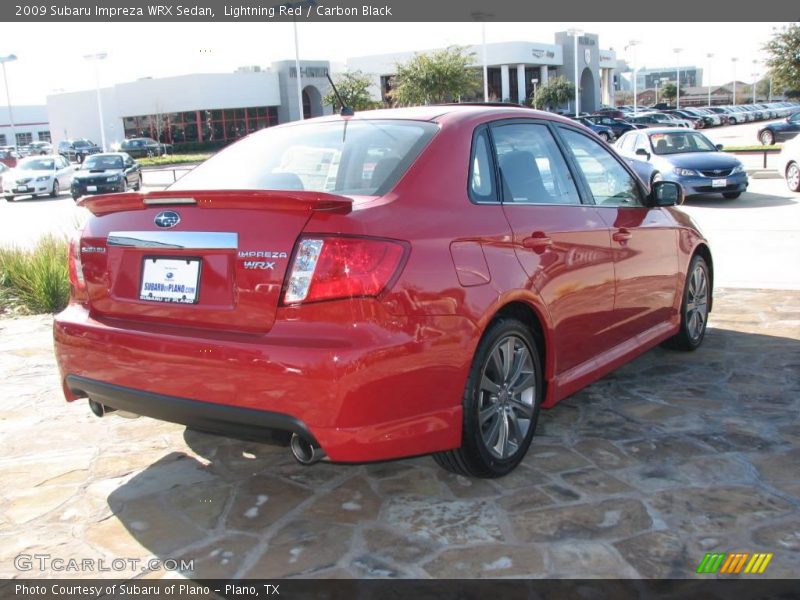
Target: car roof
column 682, row 130
column 101, row 154
column 436, row 112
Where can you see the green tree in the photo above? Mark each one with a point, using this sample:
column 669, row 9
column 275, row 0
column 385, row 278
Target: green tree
column 554, row 93
column 668, row 92
column 354, row 89
column 783, row 60
column 440, row 76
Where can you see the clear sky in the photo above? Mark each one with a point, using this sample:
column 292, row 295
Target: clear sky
column 50, row 55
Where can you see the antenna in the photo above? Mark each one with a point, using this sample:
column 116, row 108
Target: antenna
column 346, row 110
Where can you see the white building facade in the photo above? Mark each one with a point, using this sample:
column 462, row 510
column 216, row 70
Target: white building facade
column 515, row 69
column 25, row 124
column 197, row 108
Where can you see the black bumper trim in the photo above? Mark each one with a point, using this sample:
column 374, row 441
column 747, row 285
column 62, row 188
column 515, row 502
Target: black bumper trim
column 219, row 418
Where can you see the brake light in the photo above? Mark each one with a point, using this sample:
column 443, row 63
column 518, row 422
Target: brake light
column 76, row 278
column 325, row 268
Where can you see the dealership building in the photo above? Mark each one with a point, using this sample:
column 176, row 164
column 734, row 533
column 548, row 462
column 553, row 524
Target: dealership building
column 516, row 68
column 221, row 107
column 211, row 107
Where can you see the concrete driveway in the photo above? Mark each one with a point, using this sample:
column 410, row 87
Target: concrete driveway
column 639, row 475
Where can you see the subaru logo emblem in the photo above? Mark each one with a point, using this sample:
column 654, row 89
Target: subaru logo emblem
column 167, row 218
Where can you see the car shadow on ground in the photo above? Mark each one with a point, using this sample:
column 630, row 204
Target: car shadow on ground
column 671, row 456
column 746, row 200
column 63, row 195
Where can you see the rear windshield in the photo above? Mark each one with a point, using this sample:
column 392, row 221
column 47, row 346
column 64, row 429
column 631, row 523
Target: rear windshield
column 364, row 157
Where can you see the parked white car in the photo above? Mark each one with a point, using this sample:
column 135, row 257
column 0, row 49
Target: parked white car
column 789, row 163
column 37, row 175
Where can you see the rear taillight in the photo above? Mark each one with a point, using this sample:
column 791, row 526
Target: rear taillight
column 76, row 278
column 325, row 268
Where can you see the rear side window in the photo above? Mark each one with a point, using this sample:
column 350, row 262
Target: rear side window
column 357, row 157
column 532, row 168
column 481, row 177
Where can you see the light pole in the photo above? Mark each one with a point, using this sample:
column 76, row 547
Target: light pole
column 677, row 52
column 633, row 44
column 709, row 56
column 575, row 33
column 733, row 60
column 97, row 58
column 485, row 64
column 755, row 81
column 534, row 81
column 297, row 69
column 3, row 61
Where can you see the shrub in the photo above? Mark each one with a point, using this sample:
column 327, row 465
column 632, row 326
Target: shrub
column 36, row 279
column 172, row 159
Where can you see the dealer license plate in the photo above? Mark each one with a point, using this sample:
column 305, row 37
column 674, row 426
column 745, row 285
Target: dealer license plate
column 170, row 280
column 719, row 183
column 91, row 188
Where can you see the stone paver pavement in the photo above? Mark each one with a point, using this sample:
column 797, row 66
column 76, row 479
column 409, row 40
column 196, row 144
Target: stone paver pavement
column 639, row 475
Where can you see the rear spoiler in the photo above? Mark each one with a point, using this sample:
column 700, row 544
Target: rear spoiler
column 292, row 200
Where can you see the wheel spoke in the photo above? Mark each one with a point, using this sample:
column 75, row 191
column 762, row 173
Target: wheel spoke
column 497, row 362
column 519, row 362
column 508, row 357
column 491, row 435
column 487, row 413
column 487, row 385
column 525, row 409
column 515, row 428
column 527, row 381
column 502, row 438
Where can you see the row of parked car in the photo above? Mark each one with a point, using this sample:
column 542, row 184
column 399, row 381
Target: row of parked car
column 77, row 150
column 48, row 175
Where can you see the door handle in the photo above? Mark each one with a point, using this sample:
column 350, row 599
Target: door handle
column 537, row 240
column 621, row 235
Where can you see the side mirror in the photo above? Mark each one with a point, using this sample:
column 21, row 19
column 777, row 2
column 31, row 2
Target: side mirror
column 643, row 152
column 719, row 147
column 665, row 193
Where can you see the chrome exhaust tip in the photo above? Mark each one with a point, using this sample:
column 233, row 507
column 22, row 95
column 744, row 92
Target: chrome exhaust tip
column 99, row 410
column 304, row 451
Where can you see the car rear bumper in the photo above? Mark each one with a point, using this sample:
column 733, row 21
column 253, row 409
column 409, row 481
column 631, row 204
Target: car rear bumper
column 362, row 390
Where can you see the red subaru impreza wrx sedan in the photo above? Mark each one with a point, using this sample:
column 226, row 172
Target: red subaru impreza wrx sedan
column 395, row 283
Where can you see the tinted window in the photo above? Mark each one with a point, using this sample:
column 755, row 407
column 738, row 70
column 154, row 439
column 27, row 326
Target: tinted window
column 627, row 143
column 532, row 168
column 358, row 157
column 609, row 181
column 481, row 176
column 98, row 161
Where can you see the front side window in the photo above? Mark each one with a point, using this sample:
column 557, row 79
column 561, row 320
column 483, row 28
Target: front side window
column 609, row 182
column 356, row 157
column 532, row 168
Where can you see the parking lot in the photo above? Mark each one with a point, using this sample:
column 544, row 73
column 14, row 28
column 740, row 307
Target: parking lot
column 640, row 474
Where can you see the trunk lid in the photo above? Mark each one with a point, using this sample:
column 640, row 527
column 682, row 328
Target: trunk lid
column 204, row 259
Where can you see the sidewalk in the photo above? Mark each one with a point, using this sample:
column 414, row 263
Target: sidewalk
column 639, row 475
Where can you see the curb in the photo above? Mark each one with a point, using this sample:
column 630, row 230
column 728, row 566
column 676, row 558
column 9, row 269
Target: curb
column 763, row 174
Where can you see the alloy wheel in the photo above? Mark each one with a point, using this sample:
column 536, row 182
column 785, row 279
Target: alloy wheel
column 697, row 303
column 507, row 394
column 793, row 177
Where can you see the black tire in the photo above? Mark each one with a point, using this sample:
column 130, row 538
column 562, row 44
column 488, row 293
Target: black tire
column 766, row 137
column 503, row 410
column 694, row 305
column 793, row 177
column 603, row 136
column 75, row 197
column 9, row 198
column 124, row 185
column 731, row 195
column 55, row 191
column 138, row 185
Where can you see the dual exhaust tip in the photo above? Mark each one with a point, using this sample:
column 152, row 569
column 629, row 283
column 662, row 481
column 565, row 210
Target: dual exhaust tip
column 305, row 452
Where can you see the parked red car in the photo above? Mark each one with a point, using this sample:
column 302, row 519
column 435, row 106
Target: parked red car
column 397, row 283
